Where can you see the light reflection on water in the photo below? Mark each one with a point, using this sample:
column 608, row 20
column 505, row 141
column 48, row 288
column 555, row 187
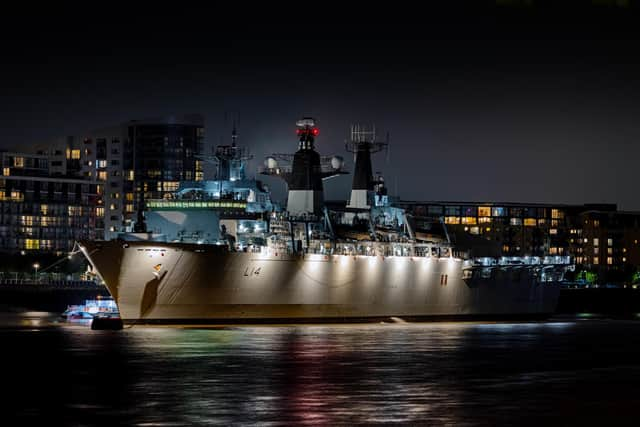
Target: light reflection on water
column 443, row 373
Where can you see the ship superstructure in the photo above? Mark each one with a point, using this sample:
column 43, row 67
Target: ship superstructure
column 363, row 259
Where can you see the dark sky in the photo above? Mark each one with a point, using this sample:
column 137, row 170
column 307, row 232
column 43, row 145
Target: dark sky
column 510, row 101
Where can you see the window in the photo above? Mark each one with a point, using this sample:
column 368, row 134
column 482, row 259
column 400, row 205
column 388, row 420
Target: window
column 596, row 251
column 516, row 221
column 452, row 220
column 609, row 251
column 102, row 175
column 44, row 209
column 32, row 244
column 75, row 154
column 596, row 242
column 557, row 214
column 452, row 210
column 129, row 197
column 499, row 211
column 18, row 162
column 129, row 208
column 484, row 211
column 609, row 260
column 609, row 241
column 6, row 171
column 596, row 260
column 100, row 212
column 530, row 222
column 468, row 220
column 101, row 163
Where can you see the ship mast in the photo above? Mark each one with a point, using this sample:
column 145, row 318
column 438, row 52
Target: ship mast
column 362, row 144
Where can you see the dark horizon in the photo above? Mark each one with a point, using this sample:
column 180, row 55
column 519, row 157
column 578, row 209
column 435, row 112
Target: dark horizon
column 519, row 102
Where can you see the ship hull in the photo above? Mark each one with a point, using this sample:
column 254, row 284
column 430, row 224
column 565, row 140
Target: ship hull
column 199, row 284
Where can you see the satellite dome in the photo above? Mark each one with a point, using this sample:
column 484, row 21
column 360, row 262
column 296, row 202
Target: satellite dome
column 337, row 162
column 270, row 163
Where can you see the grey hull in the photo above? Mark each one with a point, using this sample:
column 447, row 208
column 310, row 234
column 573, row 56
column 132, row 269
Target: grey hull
column 181, row 283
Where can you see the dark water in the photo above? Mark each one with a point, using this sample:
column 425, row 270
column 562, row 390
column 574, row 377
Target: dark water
column 564, row 372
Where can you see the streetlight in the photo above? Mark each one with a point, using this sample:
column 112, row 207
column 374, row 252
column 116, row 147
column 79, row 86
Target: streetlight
column 36, row 266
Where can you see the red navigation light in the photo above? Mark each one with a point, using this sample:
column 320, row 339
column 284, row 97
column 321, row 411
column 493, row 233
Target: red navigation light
column 315, row 131
column 298, row 131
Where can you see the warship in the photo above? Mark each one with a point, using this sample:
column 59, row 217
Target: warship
column 222, row 252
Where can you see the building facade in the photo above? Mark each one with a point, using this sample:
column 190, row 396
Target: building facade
column 40, row 211
column 601, row 239
column 136, row 161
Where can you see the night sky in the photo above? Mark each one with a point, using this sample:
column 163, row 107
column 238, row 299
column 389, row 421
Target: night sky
column 514, row 101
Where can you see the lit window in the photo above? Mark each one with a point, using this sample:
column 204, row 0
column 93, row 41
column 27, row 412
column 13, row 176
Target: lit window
column 75, row 154
column 553, row 231
column 530, row 222
column 129, row 208
column 484, row 211
column 474, row 230
column 499, row 211
column 553, row 251
column 44, row 209
column 100, row 212
column 101, row 163
column 452, row 220
column 596, row 251
column 6, row 171
column 484, row 220
column 468, row 220
column 557, row 214
column 18, row 162
column 609, row 242
column 596, row 260
column 102, row 175
column 624, row 259
column 129, row 175
column 596, row 242
column 596, row 223
column 515, row 221
column 113, row 206
column 609, row 251
column 32, row 244
column 199, row 176
column 609, row 260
